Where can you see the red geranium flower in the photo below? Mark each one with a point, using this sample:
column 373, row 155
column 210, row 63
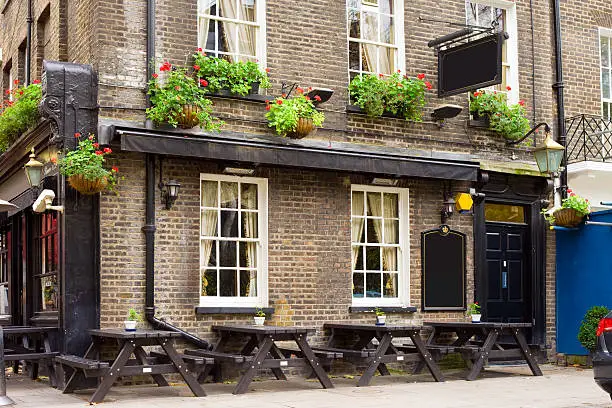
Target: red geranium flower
column 115, row 169
column 421, row 76
column 107, row 150
column 54, row 160
column 203, row 82
column 178, row 88
column 96, row 145
column 155, row 76
column 77, row 135
column 16, row 82
column 36, row 81
column 196, row 67
column 20, row 92
column 380, row 75
column 8, row 92
column 299, row 90
column 508, row 88
column 99, row 152
column 268, row 70
column 307, row 97
column 166, row 66
column 279, row 101
column 199, row 50
column 317, row 98
column 521, row 102
column 428, row 84
column 267, row 107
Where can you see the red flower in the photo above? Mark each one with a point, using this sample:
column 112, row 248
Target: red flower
column 421, row 76
column 99, row 152
column 166, row 66
column 307, row 97
column 203, row 82
column 196, row 67
column 178, row 88
column 91, row 137
column 521, row 102
column 569, row 190
column 508, row 88
column 115, row 169
column 380, row 75
column 155, row 76
column 476, row 94
column 300, row 90
column 77, row 135
column 96, row 145
column 475, row 303
column 279, row 101
column 268, row 70
column 317, row 98
column 428, row 84
column 107, row 150
column 16, row 82
column 399, row 71
column 8, row 92
column 20, row 92
column 267, row 107
column 36, row 81
column 284, row 95
column 199, row 50
column 10, row 103
column 54, row 160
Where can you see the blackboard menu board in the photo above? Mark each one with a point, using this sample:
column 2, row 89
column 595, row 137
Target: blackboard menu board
column 443, row 260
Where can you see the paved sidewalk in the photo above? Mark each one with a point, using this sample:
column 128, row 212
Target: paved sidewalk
column 500, row 388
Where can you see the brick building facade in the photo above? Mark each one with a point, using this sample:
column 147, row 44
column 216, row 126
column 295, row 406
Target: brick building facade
column 308, row 266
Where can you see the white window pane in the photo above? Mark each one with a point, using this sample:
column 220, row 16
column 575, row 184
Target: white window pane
column 247, row 10
column 471, row 12
column 209, row 222
column 246, row 37
column 386, row 60
column 248, row 254
column 386, row 6
column 357, row 258
column 354, row 17
column 373, row 285
column 209, row 282
column 372, row 258
column 605, row 110
column 358, row 202
column 391, row 232
column 229, row 195
column 208, row 253
column 387, row 30
column 248, row 283
column 209, row 193
column 354, row 56
column 207, row 7
column 354, row 4
column 390, row 259
column 605, row 51
column 390, row 202
column 227, row 254
column 370, row 26
column 228, row 283
column 228, row 9
column 249, row 225
column 229, row 224
column 374, row 231
column 390, row 285
column 206, row 35
column 605, row 83
column 248, row 198
column 368, row 58
column 358, row 285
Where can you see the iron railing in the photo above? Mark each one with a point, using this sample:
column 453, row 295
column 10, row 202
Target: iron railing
column 589, row 138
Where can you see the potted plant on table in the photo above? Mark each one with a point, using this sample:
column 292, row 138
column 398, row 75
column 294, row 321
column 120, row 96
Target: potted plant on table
column 294, row 117
column 571, row 213
column 84, row 167
column 179, row 99
column 491, row 107
column 234, row 78
column 260, row 316
column 132, row 319
column 380, row 316
column 473, row 310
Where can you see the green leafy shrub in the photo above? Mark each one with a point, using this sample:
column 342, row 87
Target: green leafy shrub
column 88, row 160
column 283, row 114
column 508, row 120
column 19, row 114
column 397, row 95
column 133, row 316
column 237, row 77
column 175, row 90
column 587, row 332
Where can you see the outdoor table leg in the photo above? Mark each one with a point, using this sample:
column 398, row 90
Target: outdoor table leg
column 420, row 365
column 483, row 355
column 312, row 360
column 520, row 340
column 50, row 364
column 141, row 356
column 113, row 373
column 77, row 376
column 276, row 353
column 179, row 364
column 263, row 349
column 382, row 367
column 426, row 356
column 383, row 345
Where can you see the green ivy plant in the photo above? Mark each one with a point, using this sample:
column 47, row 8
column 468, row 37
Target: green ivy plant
column 88, row 160
column 284, row 113
column 588, row 328
column 396, row 94
column 237, row 77
column 20, row 113
column 508, row 120
column 176, row 89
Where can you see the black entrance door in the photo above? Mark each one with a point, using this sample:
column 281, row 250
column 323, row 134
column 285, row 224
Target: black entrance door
column 508, row 273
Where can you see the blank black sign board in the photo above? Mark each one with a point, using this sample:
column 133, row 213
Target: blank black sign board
column 474, row 65
column 443, row 260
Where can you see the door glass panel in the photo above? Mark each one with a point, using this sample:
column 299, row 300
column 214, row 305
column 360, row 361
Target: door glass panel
column 504, row 213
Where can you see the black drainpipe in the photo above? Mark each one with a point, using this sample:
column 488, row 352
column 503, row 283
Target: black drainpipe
column 28, row 53
column 149, row 228
column 558, row 86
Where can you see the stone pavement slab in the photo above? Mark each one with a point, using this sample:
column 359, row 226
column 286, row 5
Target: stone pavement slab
column 500, row 387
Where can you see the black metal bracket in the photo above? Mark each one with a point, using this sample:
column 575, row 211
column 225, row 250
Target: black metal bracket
column 532, row 131
column 287, row 93
column 467, row 32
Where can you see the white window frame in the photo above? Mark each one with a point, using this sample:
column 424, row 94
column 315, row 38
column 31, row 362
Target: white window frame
column 512, row 80
column 261, row 300
column 398, row 16
column 260, row 25
column 605, row 32
column 11, row 85
column 403, row 261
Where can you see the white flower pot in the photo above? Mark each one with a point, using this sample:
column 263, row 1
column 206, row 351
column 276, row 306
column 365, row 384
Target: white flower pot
column 130, row 325
column 476, row 318
column 380, row 320
column 259, row 320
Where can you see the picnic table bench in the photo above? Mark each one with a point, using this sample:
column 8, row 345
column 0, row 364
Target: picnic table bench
column 364, row 351
column 30, row 344
column 262, row 352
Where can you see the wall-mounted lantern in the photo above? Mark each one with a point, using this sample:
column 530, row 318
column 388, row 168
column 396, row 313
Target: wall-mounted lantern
column 33, row 170
column 170, row 192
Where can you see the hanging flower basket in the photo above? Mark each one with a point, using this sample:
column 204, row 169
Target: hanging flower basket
column 85, row 186
column 189, row 118
column 304, row 127
column 567, row 217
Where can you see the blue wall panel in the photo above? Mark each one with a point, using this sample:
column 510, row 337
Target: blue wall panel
column 584, row 278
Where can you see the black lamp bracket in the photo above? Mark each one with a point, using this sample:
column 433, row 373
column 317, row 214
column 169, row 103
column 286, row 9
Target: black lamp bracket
column 464, row 34
column 286, row 89
column 532, row 131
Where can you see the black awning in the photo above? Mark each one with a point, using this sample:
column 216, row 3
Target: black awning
column 309, row 154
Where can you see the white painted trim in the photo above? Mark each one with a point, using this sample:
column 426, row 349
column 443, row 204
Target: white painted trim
column 583, row 166
column 403, row 280
column 261, row 299
column 604, row 32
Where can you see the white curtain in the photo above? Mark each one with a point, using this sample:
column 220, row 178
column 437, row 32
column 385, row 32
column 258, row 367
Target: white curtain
column 249, row 220
column 357, row 225
column 209, row 228
column 372, row 53
column 239, row 38
column 391, row 233
column 204, row 8
column 369, row 32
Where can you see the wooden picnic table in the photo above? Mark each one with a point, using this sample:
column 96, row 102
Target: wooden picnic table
column 363, row 350
column 130, row 343
column 267, row 355
column 30, row 344
column 478, row 352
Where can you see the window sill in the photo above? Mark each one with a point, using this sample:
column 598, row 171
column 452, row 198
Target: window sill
column 231, row 310
column 386, row 309
column 248, row 98
column 356, row 110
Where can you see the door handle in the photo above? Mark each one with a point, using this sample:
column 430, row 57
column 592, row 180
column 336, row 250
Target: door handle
column 504, row 280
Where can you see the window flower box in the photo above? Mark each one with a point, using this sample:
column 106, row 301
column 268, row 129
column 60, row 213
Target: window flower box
column 508, row 120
